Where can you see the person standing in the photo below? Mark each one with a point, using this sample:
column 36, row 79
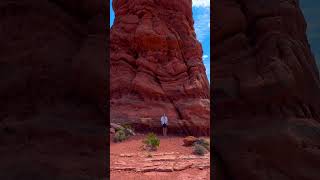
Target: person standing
column 164, row 123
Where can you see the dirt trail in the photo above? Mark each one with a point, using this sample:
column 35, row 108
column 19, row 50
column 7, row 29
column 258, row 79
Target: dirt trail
column 172, row 160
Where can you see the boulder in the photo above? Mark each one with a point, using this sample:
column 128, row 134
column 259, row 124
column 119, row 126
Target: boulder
column 116, row 126
column 189, row 140
column 112, row 131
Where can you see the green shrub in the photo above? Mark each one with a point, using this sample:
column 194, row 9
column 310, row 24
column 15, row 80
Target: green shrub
column 120, row 136
column 127, row 129
column 199, row 150
column 152, row 141
column 127, row 126
column 203, row 142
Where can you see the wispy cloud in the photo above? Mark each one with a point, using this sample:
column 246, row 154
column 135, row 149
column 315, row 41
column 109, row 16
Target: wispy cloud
column 201, row 3
column 205, row 57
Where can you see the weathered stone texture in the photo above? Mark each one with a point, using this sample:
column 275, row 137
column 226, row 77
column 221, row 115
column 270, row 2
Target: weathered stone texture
column 266, row 91
column 156, row 66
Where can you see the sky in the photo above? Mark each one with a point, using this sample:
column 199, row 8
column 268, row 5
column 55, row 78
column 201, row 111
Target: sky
column 201, row 16
column 311, row 12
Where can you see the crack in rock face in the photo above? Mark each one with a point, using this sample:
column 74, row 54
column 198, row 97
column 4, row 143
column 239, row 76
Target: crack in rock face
column 266, row 92
column 156, row 67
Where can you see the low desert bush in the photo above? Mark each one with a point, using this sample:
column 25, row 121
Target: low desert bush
column 152, row 142
column 128, row 129
column 203, row 142
column 199, row 149
column 120, row 136
column 127, row 126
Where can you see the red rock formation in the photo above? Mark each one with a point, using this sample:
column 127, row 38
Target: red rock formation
column 156, row 66
column 53, row 79
column 267, row 92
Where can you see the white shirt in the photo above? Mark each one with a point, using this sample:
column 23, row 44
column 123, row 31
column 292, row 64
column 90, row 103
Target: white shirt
column 164, row 120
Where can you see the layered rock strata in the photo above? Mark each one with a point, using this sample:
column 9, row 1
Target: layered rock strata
column 52, row 89
column 266, row 90
column 156, row 67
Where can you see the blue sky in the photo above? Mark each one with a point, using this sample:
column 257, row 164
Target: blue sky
column 201, row 16
column 310, row 9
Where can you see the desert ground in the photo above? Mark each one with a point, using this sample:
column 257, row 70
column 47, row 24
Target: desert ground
column 171, row 161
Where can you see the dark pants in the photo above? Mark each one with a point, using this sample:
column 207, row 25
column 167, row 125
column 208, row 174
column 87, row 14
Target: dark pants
column 164, row 129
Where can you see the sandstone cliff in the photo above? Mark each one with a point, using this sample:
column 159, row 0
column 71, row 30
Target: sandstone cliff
column 52, row 89
column 267, row 92
column 156, row 66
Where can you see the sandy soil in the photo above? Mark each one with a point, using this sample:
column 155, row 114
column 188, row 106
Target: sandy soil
column 135, row 164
